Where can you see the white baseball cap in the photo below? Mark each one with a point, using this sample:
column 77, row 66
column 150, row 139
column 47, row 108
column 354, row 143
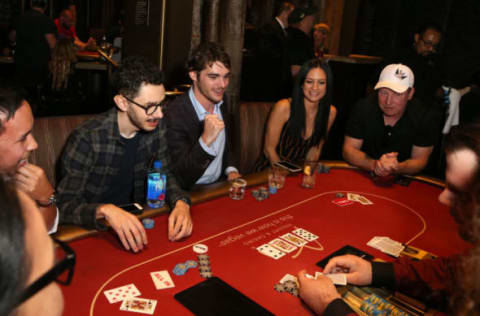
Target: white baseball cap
column 397, row 77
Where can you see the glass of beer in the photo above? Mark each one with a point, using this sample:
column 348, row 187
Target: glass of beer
column 309, row 173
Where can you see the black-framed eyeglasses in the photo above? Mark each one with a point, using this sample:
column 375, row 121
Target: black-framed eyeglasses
column 150, row 109
column 61, row 272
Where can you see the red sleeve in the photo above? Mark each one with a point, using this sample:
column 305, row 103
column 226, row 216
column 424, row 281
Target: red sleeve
column 426, row 279
column 74, row 32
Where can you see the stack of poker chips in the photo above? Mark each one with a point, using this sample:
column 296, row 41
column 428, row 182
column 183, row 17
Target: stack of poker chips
column 204, row 266
column 182, row 268
column 376, row 305
column 260, row 194
column 288, row 286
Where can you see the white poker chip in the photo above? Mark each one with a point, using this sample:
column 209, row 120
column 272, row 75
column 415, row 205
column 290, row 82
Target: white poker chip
column 200, row 248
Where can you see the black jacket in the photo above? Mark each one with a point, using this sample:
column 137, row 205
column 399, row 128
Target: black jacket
column 188, row 160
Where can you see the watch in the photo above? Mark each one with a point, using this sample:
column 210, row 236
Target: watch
column 52, row 200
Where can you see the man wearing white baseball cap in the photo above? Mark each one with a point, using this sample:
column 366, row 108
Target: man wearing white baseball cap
column 390, row 132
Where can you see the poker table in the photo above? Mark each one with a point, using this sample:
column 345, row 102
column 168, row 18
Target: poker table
column 233, row 229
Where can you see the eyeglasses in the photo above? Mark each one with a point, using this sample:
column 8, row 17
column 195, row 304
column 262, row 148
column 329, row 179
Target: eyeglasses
column 150, row 109
column 429, row 44
column 61, row 272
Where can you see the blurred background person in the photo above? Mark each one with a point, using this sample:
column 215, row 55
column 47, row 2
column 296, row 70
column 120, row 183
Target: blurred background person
column 66, row 29
column 274, row 79
column 34, row 34
column 299, row 44
column 320, row 36
column 297, row 128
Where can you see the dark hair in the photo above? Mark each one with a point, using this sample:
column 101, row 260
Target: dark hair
column 284, row 6
column 14, row 266
column 39, row 3
column 429, row 26
column 133, row 72
column 11, row 99
column 205, row 55
column 297, row 108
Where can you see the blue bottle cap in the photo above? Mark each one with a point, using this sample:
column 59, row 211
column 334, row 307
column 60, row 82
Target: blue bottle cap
column 157, row 164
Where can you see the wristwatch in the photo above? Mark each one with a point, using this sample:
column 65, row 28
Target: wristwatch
column 52, row 200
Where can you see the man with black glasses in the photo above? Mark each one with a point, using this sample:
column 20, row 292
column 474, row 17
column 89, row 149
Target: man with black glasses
column 106, row 160
column 29, row 264
column 390, row 132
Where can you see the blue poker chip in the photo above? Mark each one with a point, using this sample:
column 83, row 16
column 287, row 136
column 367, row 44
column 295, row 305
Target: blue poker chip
column 148, row 223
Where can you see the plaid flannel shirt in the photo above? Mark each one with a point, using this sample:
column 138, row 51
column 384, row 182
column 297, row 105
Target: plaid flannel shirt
column 91, row 160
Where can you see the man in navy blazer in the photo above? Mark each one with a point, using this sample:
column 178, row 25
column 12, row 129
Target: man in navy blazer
column 198, row 127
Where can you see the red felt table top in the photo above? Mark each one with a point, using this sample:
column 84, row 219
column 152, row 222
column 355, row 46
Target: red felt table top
column 233, row 229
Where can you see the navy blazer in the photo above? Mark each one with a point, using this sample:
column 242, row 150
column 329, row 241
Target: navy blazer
column 187, row 157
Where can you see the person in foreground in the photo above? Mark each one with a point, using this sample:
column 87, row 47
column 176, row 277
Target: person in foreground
column 456, row 277
column 16, row 144
column 390, row 132
column 198, row 122
column 106, row 160
column 297, row 128
column 27, row 258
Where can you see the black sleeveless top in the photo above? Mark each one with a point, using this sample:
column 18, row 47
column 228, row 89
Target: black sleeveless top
column 290, row 148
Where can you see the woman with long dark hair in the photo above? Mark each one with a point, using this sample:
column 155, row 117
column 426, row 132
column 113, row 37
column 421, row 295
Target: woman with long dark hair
column 297, row 128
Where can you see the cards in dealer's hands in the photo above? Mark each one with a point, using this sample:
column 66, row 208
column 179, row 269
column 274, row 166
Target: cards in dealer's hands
column 337, row 278
column 120, row 293
column 139, row 305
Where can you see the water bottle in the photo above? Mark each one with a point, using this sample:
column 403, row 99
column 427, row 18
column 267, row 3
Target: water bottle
column 156, row 186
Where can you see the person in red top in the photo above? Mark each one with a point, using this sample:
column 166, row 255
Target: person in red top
column 66, row 29
column 456, row 277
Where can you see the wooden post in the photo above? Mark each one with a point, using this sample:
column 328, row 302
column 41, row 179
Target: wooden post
column 196, row 23
column 212, row 20
column 233, row 26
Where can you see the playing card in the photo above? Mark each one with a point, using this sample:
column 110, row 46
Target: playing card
column 337, row 278
column 162, row 280
column 342, row 201
column 271, row 251
column 352, row 197
column 288, row 277
column 363, row 200
column 120, row 293
column 305, row 234
column 139, row 305
column 282, row 245
column 297, row 241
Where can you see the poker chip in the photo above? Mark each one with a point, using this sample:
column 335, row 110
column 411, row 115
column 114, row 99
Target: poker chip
column 340, row 195
column 204, row 269
column 148, row 223
column 203, row 257
column 279, row 287
column 206, row 275
column 191, row 263
column 200, row 248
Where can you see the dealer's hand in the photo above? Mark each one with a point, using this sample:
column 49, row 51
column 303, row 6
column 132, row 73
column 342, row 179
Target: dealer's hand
column 317, row 293
column 127, row 226
column 180, row 222
column 212, row 126
column 358, row 271
column 32, row 180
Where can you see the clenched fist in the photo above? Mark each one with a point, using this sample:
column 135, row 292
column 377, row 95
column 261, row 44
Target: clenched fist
column 212, row 126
